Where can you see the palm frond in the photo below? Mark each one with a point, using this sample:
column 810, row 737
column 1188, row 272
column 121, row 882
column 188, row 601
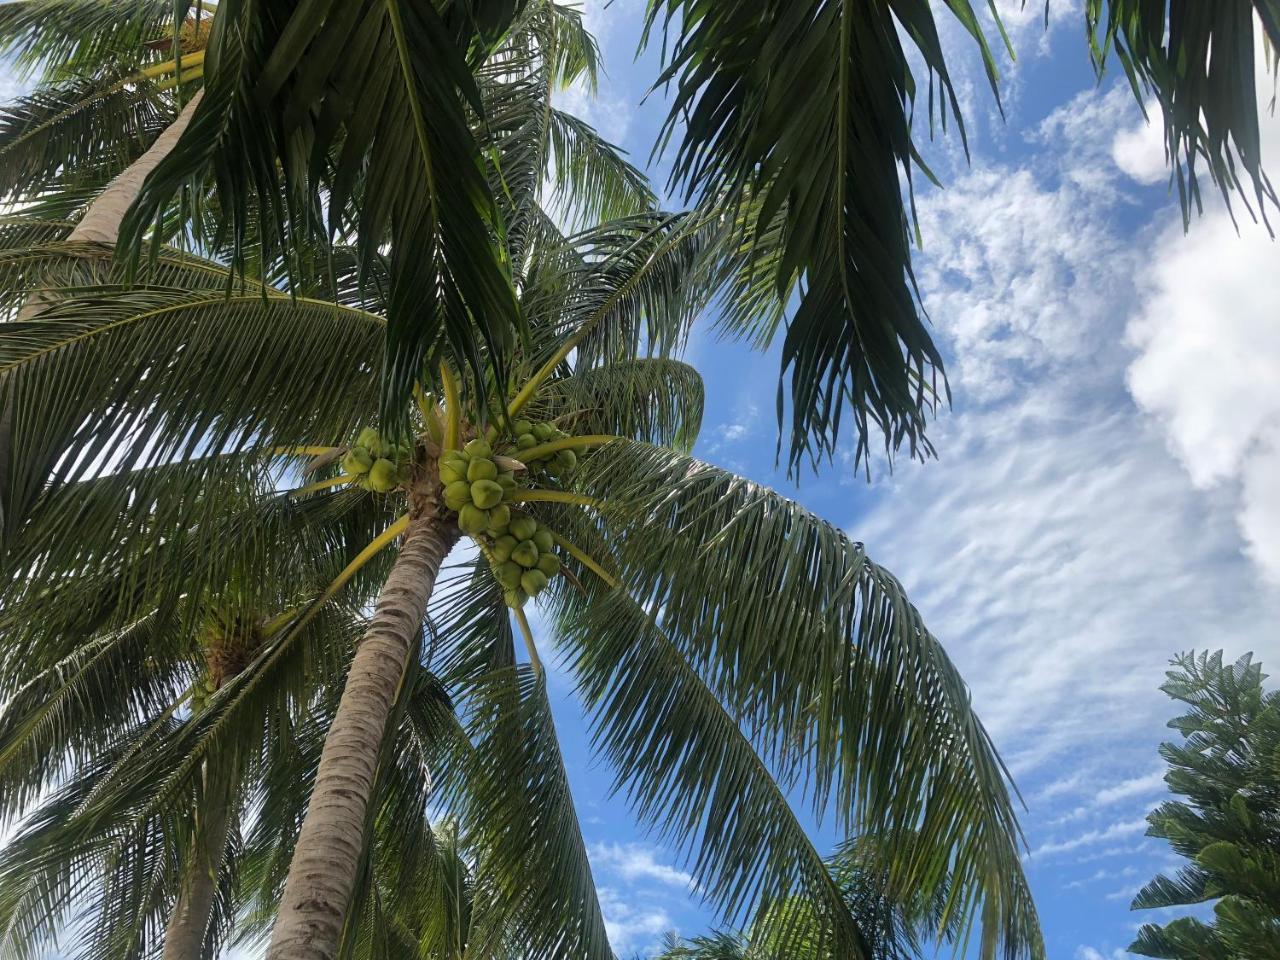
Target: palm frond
column 75, row 34
column 804, row 110
column 817, row 651
column 370, row 100
column 1198, row 62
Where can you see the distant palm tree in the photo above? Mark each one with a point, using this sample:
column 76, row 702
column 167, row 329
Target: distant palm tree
column 888, row 928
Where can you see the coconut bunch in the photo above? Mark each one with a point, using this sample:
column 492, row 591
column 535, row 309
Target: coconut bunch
column 523, row 560
column 475, row 487
column 528, row 434
column 376, row 463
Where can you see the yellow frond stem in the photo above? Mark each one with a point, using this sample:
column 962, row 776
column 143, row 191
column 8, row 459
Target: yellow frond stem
column 303, row 451
column 565, row 443
column 195, row 59
column 186, row 77
column 552, row 496
column 453, row 407
column 322, row 485
column 534, row 660
column 584, row 558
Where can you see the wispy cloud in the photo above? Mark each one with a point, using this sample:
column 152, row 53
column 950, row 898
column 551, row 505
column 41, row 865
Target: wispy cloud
column 635, row 861
column 1123, row 828
column 631, row 925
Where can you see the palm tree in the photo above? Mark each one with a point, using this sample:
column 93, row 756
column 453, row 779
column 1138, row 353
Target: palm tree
column 890, row 929
column 792, row 120
column 674, row 659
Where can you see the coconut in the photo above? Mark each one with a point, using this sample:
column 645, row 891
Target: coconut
column 549, row 564
column 542, row 537
column 382, row 476
column 500, row 517
column 525, row 554
column 503, row 546
column 507, row 479
column 515, row 598
column 478, row 448
column 521, row 426
column 509, row 574
column 525, row 441
column 481, row 470
column 457, row 495
column 450, row 474
column 370, row 439
column 544, row 431
column 357, row 461
column 472, row 520
column 566, row 459
column 532, row 581
column 522, row 528
column 486, row 493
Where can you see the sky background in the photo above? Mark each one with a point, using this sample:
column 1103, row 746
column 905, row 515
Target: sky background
column 1107, row 487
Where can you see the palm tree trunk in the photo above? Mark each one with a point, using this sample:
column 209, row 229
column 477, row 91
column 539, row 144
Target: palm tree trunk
column 184, row 935
column 317, row 892
column 101, row 222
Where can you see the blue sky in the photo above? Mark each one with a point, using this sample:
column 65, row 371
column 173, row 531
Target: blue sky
column 1107, row 490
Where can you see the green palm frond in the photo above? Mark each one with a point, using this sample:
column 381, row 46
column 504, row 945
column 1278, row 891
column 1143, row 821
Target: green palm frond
column 1198, row 62
column 817, row 652
column 593, row 181
column 81, row 131
column 804, row 109
column 134, row 377
column 391, row 85
column 655, row 399
column 73, row 34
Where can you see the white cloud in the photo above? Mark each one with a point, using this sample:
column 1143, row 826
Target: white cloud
column 635, row 861
column 1089, row 953
column 1139, row 151
column 1122, row 828
column 1058, row 548
column 1143, row 786
column 631, row 926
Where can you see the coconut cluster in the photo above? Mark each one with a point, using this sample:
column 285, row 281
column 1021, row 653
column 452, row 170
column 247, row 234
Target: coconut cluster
column 524, row 560
column 376, row 463
column 529, row 434
column 475, row 488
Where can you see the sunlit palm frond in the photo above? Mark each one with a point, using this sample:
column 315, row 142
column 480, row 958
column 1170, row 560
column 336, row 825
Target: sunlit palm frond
column 369, row 99
column 817, row 652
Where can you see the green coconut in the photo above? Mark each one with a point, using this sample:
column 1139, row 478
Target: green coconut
column 457, row 495
column 472, row 520
column 357, row 461
column 509, row 574
column 481, row 470
column 542, row 537
column 451, row 474
column 503, row 546
column 522, row 528
column 544, row 431
column 525, row 441
column 369, row 438
column 533, row 581
column 382, row 476
column 486, row 494
column 515, row 598
column 549, row 564
column 500, row 517
column 525, row 554
column 478, row 449
column 521, row 426
column 507, row 479
column 566, row 459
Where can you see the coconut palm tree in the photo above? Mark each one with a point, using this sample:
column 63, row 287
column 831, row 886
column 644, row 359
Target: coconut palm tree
column 729, row 644
column 796, row 118
column 890, row 929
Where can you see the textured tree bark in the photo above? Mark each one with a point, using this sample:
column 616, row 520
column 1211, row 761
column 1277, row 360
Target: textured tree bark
column 317, row 892
column 184, row 935
column 101, row 222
